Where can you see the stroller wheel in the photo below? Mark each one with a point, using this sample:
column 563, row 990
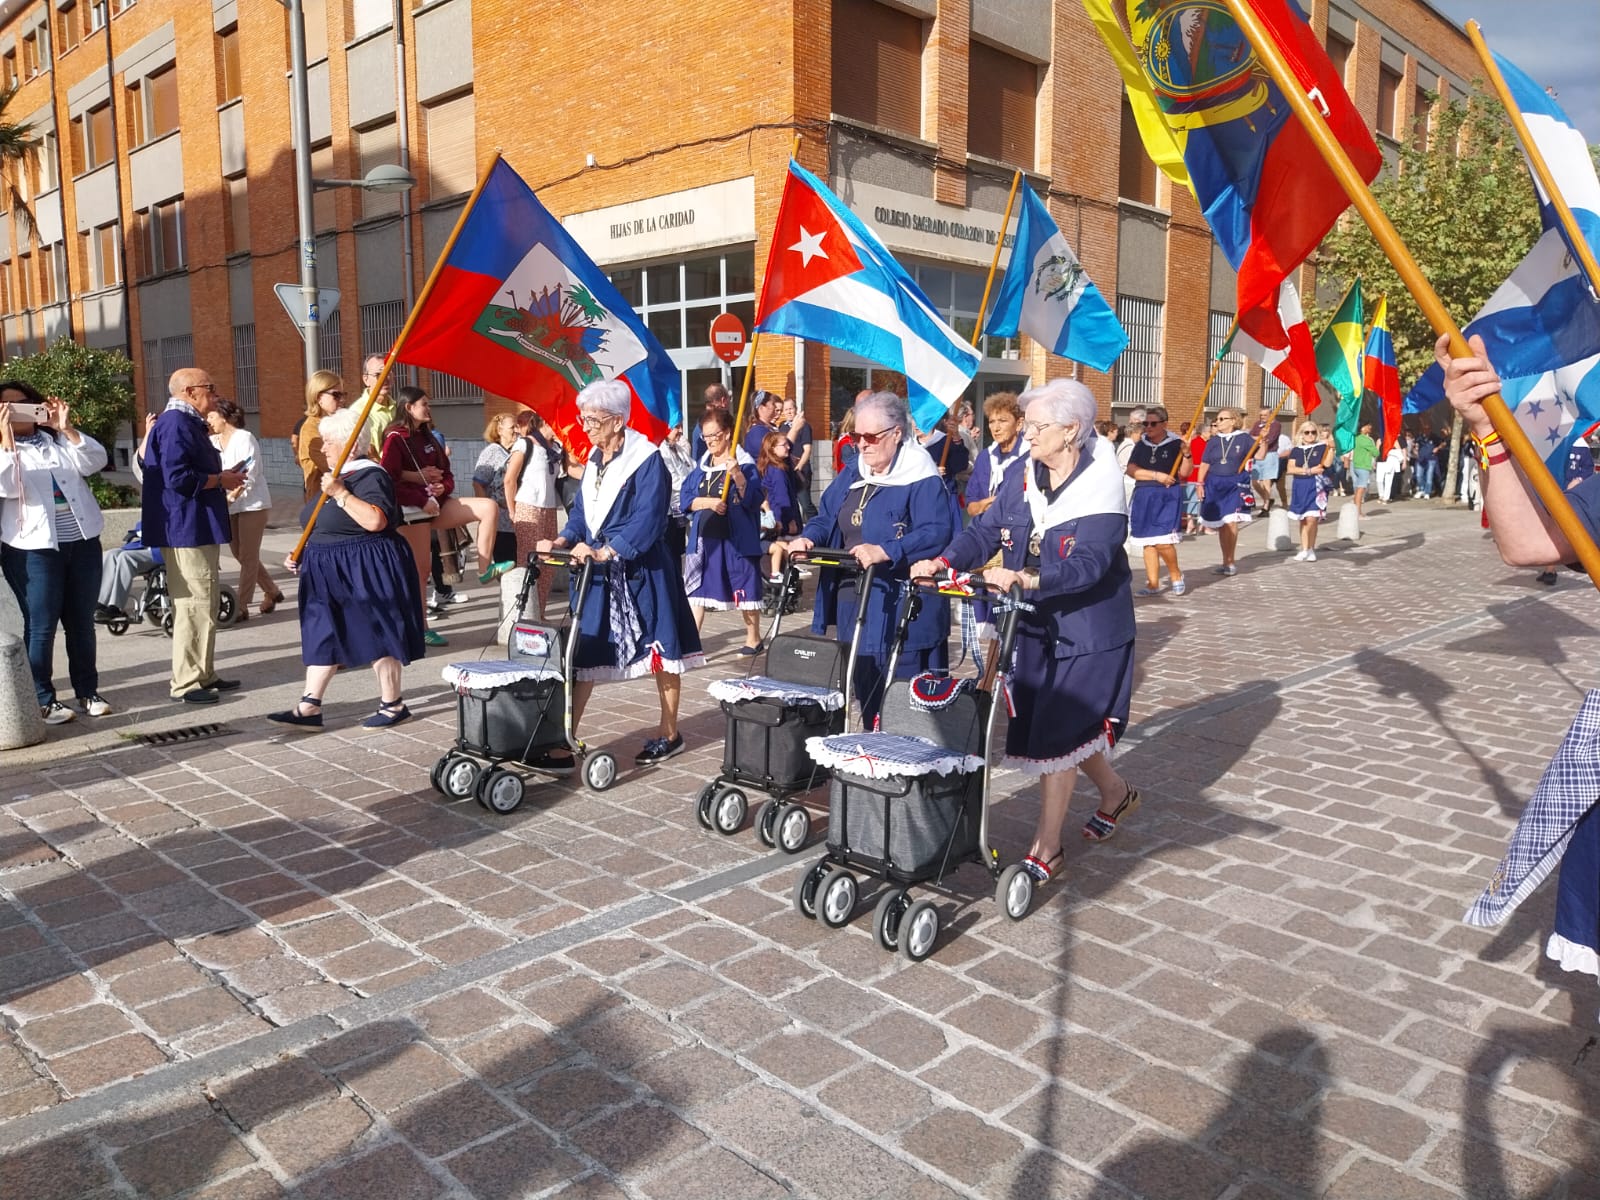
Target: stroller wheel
column 836, row 898
column 460, row 779
column 599, row 771
column 436, row 776
column 702, row 804
column 919, row 930
column 728, row 810
column 888, row 916
column 227, row 606
column 1014, row 894
column 501, row 791
column 804, row 894
column 117, row 626
column 766, row 821
column 793, row 829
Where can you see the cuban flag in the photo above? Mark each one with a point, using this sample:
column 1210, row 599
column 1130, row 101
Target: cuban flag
column 1048, row 295
column 1544, row 316
column 1381, row 377
column 520, row 310
column 830, row 280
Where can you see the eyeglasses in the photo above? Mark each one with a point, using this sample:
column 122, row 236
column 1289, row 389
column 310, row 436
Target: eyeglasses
column 1156, row 421
column 330, row 392
column 872, row 439
column 1034, row 428
column 590, row 420
column 202, row 387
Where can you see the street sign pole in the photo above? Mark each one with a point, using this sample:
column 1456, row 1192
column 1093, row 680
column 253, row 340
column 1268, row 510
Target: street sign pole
column 300, row 116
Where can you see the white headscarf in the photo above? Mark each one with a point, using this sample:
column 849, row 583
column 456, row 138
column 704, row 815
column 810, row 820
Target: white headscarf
column 1097, row 489
column 599, row 495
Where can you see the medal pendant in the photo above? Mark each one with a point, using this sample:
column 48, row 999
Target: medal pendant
column 1034, row 542
column 855, row 518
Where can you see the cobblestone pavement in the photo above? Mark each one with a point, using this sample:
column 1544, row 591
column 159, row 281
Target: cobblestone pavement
column 259, row 965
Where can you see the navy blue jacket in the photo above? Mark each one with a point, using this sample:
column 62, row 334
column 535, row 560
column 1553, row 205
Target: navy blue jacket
column 177, row 507
column 1085, row 596
column 744, row 517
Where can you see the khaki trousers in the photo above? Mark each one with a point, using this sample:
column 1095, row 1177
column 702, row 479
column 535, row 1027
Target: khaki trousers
column 192, row 583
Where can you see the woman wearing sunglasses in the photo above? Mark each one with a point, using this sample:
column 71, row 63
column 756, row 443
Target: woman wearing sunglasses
column 324, row 397
column 1155, row 513
column 1223, row 485
column 1308, row 486
column 889, row 508
column 1059, row 526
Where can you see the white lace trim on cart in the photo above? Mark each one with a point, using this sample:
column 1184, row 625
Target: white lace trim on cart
column 494, row 673
column 888, row 756
column 761, row 687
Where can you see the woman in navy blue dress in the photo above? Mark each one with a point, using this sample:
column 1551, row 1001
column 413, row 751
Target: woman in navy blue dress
column 1308, row 486
column 780, row 508
column 889, row 508
column 636, row 620
column 1224, row 483
column 1155, row 512
column 1059, row 526
column 722, row 563
column 359, row 598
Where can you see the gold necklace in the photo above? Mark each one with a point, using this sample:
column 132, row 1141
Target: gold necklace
column 866, row 497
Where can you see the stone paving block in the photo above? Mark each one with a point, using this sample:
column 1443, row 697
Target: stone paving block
column 463, row 945
column 367, row 961
column 252, row 1184
column 637, row 1139
column 308, row 1138
column 182, row 1159
column 326, row 935
column 622, row 1038
column 172, row 1018
column 708, row 942
column 903, row 1040
column 877, row 1099
column 513, row 1054
column 833, row 1163
column 396, row 1077
column 692, row 1077
column 445, row 1121
column 56, row 1035
column 766, row 972
column 64, row 1168
column 1067, row 1122
column 267, row 1093
column 1365, row 1179
column 733, row 1020
column 1370, row 1124
column 763, row 1122
column 803, row 1057
column 391, row 1171
column 1174, row 1098
column 519, row 1163
column 1173, row 1169
column 996, row 1020
column 72, row 992
column 715, row 1175
column 961, row 1145
column 1013, row 975
column 572, row 1093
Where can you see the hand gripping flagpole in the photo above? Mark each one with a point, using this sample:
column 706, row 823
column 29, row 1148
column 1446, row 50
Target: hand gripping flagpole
column 394, row 354
column 1512, row 435
column 1541, row 169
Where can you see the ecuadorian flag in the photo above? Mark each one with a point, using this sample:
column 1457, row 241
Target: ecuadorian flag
column 1382, row 377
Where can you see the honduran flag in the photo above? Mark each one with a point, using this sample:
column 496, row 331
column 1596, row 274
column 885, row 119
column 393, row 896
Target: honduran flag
column 520, row 310
column 1381, row 377
column 1213, row 120
column 830, row 280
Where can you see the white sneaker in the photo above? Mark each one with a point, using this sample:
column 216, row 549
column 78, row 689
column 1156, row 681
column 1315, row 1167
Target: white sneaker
column 1300, row 556
column 1311, row 556
column 57, row 713
column 95, row 706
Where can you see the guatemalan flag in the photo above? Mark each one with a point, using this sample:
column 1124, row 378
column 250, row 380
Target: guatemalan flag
column 1048, row 296
column 520, row 310
column 1381, row 377
column 1544, row 316
column 1214, row 121
column 830, row 280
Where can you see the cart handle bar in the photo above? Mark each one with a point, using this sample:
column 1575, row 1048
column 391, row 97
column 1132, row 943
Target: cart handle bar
column 975, row 589
column 836, row 557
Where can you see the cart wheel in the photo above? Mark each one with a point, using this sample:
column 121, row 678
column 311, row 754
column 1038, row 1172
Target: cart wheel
column 888, row 916
column 836, row 898
column 459, row 780
column 227, row 606
column 501, row 790
column 1014, row 894
column 793, row 828
column 804, row 894
column 702, row 804
column 166, row 622
column 599, row 771
column 728, row 810
column 919, row 930
column 117, row 626
column 766, row 820
column 436, row 776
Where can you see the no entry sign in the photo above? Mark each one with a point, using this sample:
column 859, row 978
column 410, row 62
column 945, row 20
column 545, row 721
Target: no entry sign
column 727, row 336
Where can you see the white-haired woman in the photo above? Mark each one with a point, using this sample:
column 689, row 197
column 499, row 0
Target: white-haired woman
column 636, row 620
column 1059, row 527
column 889, row 508
column 359, row 597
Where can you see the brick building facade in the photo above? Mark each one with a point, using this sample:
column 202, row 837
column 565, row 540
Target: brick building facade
column 163, row 184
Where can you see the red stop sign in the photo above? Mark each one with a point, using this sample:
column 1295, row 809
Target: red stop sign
column 727, row 336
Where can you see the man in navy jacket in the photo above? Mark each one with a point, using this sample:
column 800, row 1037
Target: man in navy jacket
column 185, row 509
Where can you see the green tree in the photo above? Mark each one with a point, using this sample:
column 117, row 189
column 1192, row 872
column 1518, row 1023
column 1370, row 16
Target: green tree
column 16, row 140
column 1465, row 207
column 95, row 383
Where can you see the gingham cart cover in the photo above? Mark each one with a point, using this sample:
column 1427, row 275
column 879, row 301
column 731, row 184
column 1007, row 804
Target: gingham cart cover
column 761, row 687
column 888, row 756
column 1569, row 787
column 493, row 673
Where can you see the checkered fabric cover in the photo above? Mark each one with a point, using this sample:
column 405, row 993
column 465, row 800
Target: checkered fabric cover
column 761, row 687
column 1569, row 787
column 493, row 673
column 888, row 756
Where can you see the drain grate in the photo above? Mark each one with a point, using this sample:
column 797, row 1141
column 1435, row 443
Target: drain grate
column 189, row 733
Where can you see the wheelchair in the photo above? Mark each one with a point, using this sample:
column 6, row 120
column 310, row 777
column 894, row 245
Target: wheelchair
column 154, row 604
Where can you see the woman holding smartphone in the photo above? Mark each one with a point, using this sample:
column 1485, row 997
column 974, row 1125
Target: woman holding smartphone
column 249, row 504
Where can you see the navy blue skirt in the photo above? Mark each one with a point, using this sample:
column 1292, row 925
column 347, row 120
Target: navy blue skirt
column 359, row 602
column 1223, row 503
column 1067, row 709
column 727, row 578
column 1155, row 515
column 1576, row 944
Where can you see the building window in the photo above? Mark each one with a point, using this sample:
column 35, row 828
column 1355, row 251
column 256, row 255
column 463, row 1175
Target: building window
column 330, row 342
column 1274, row 391
column 162, row 237
column 92, row 140
column 155, row 384
column 25, row 281
column 452, row 148
column 97, row 15
column 1136, row 379
column 1421, row 111
column 238, row 240
column 1227, row 390
column 176, row 354
column 316, row 17
column 30, row 55
column 153, row 111
column 369, row 15
column 1136, row 174
column 877, row 65
column 69, row 27
column 245, row 390
column 956, row 294
column 1002, row 125
column 1388, row 100
column 1339, row 51
column 5, row 288
column 380, row 326
column 377, row 147
column 102, row 259
column 53, row 273
column 230, row 85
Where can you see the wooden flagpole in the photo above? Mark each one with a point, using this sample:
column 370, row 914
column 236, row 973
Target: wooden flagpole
column 1511, row 433
column 394, row 353
column 750, row 370
column 1541, row 169
column 1211, row 378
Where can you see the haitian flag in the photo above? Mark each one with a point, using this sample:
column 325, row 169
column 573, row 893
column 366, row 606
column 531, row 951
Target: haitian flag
column 1197, row 87
column 520, row 310
column 1382, row 378
column 830, row 280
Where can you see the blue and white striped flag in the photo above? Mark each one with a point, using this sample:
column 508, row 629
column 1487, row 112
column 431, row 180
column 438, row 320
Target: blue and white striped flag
column 1048, row 296
column 1557, row 408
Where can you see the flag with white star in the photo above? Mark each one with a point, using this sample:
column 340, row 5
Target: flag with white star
column 1556, row 409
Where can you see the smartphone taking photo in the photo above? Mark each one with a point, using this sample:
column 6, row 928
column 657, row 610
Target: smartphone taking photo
column 22, row 414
